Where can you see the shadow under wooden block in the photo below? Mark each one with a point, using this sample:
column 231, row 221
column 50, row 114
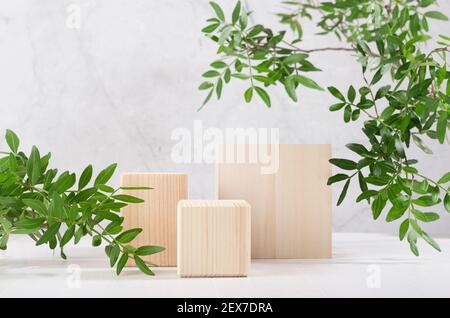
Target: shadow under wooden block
column 213, row 238
column 158, row 214
column 291, row 205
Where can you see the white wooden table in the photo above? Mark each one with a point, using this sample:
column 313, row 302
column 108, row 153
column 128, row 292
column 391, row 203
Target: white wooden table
column 363, row 265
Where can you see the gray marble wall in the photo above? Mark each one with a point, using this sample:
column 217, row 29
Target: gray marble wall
column 113, row 85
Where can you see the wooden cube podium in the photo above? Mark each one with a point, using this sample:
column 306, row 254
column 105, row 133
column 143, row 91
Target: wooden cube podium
column 213, row 238
column 291, row 207
column 158, row 214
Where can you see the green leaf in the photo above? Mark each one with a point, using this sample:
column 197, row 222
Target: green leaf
column 382, row 92
column 436, row 15
column 210, row 28
column 114, row 253
column 236, row 12
column 337, row 178
column 264, row 96
column 336, row 93
column 85, row 177
column 351, row 94
column 344, row 164
column 425, row 217
column 347, row 113
column 205, row 85
column 243, row 21
column 49, row 233
column 36, row 205
column 377, row 77
column 106, row 174
column 410, row 169
column 399, row 147
column 218, row 10
column 248, row 95
column 207, row 99
column 430, row 241
column 12, row 140
column 290, row 88
column 336, row 107
column 29, row 223
column 127, row 198
column 79, row 234
column 366, row 195
column 307, row 82
column 56, row 207
column 142, row 266
column 219, row 87
column 34, row 166
column 128, row 236
column 344, row 192
column 425, row 201
column 396, row 212
column 441, row 126
column 96, row 240
column 419, row 142
column 225, row 34
column 403, row 229
column 447, row 202
column 65, row 181
column 295, row 58
column 415, row 226
column 107, row 215
column 445, row 178
column 219, row 64
column 67, row 235
column 105, row 188
column 355, row 114
column 149, row 250
column 240, row 76
column 122, row 262
column 377, row 206
column 378, row 181
column 210, row 74
column 414, row 248
column 359, row 149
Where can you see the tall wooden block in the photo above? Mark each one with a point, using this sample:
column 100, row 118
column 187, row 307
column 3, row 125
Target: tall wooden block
column 158, row 214
column 291, row 206
column 213, row 238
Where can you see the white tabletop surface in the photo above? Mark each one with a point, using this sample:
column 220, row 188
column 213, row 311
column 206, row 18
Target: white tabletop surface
column 363, row 265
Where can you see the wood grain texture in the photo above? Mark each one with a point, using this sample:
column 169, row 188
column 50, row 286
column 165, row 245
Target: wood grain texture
column 213, row 238
column 158, row 214
column 291, row 208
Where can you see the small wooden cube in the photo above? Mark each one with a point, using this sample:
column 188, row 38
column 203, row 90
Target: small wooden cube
column 158, row 214
column 291, row 205
column 213, row 238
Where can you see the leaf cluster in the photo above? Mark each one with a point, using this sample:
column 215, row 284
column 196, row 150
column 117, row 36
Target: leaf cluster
column 55, row 208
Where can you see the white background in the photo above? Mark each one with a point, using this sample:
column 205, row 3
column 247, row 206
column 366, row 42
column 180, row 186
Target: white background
column 114, row 90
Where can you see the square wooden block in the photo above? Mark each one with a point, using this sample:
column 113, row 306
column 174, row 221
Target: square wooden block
column 213, row 238
column 291, row 205
column 158, row 214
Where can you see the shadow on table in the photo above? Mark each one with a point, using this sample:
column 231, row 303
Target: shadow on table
column 87, row 269
column 94, row 269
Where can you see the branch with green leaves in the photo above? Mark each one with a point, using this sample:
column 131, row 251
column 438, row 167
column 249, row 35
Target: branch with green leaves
column 405, row 98
column 54, row 209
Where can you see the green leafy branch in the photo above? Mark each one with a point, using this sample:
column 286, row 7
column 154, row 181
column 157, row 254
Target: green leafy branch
column 404, row 101
column 254, row 54
column 55, row 209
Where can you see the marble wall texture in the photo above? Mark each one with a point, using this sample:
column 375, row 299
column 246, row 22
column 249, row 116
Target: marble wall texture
column 113, row 85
